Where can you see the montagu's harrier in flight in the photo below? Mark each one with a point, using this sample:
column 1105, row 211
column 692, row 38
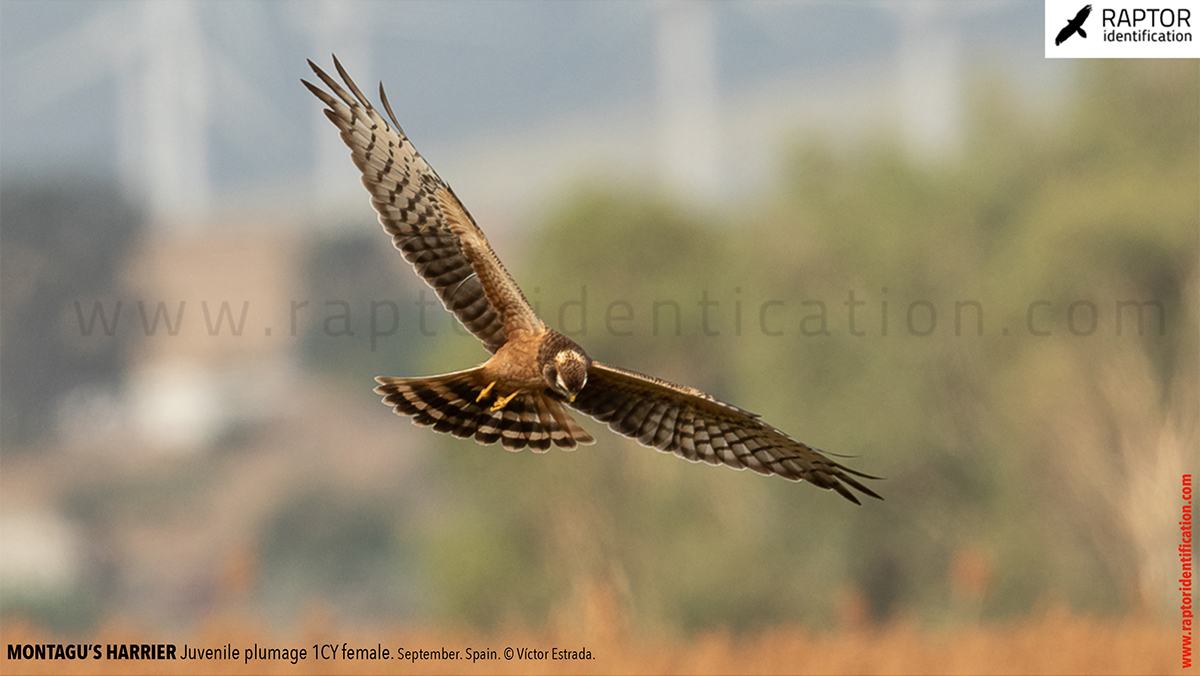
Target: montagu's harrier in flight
column 519, row 396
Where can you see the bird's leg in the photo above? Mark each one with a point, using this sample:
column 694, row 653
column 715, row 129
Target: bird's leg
column 483, row 395
column 502, row 401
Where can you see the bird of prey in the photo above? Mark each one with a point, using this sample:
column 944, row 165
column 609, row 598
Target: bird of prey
column 520, row 395
column 1074, row 26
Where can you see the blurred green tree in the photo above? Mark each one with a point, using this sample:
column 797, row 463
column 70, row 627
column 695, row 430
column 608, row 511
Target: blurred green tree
column 62, row 248
column 937, row 321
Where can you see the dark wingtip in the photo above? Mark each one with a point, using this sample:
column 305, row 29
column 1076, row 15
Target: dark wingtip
column 315, row 68
column 846, row 477
column 868, row 491
column 845, row 493
column 388, row 106
column 313, row 88
column 340, row 69
column 858, row 485
column 350, row 83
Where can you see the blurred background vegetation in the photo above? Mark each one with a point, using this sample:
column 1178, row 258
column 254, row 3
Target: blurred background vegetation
column 1021, row 469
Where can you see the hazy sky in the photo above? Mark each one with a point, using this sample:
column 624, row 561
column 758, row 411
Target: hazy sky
column 489, row 91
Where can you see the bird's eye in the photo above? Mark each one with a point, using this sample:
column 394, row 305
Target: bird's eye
column 561, row 385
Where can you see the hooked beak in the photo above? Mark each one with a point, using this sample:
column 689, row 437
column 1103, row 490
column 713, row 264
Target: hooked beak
column 571, row 398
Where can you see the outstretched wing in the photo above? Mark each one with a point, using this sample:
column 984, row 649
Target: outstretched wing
column 697, row 427
column 428, row 224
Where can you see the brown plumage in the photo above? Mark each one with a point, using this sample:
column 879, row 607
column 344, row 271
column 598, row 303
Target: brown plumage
column 450, row 404
column 518, row 396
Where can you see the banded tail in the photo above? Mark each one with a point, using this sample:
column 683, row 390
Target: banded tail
column 451, row 404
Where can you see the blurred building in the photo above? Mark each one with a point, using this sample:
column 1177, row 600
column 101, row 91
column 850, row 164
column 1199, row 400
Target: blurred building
column 219, row 341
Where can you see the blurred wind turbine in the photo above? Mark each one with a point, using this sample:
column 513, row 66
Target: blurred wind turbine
column 687, row 98
column 156, row 53
column 930, row 79
column 344, row 29
column 165, row 77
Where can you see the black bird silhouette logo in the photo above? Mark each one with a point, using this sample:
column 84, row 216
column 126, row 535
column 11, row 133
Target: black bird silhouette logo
column 1074, row 26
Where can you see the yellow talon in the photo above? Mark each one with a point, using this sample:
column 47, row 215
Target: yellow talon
column 502, row 401
column 483, row 395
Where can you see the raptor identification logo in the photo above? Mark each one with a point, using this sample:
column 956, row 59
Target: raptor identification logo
column 1122, row 29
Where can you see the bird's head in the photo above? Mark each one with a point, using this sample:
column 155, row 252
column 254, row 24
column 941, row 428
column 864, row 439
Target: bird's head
column 566, row 368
